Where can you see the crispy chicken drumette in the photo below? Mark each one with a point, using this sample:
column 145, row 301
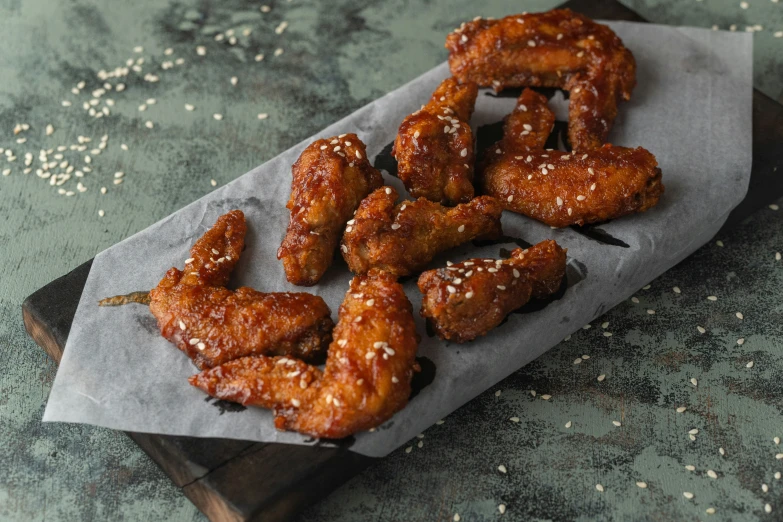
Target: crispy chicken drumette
column 213, row 325
column 434, row 146
column 562, row 188
column 557, row 48
column 402, row 238
column 330, row 178
column 466, row 300
column 367, row 375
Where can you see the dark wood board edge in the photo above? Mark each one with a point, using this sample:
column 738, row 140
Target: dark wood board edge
column 232, row 480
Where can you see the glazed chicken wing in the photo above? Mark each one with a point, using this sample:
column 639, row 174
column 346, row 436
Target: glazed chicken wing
column 466, row 300
column 434, row 146
column 557, row 48
column 330, row 178
column 403, row 238
column 561, row 188
column 213, row 325
column 367, row 375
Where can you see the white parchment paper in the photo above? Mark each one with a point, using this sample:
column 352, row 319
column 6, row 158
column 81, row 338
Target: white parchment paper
column 691, row 108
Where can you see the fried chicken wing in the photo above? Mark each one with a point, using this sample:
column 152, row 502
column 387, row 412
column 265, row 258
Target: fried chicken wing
column 403, row 238
column 557, row 48
column 466, row 300
column 530, row 123
column 434, row 146
column 330, row 178
column 561, row 188
column 367, row 375
column 213, row 325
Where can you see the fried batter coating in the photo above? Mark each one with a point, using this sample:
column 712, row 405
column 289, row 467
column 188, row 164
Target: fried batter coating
column 213, row 325
column 330, row 178
column 557, row 48
column 530, row 123
column 367, row 376
column 466, row 300
column 434, row 146
column 403, row 238
column 561, row 188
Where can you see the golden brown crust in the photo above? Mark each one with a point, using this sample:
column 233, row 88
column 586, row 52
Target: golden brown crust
column 530, row 123
column 557, row 48
column 213, row 325
column 402, row 238
column 434, row 146
column 330, row 178
column 367, row 375
column 561, row 188
column 466, row 300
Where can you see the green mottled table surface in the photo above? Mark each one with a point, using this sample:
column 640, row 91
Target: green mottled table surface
column 671, row 413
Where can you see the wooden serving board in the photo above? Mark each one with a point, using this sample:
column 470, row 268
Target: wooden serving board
column 230, row 480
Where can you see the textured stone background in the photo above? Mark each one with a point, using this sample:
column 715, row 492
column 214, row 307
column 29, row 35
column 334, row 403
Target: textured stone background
column 336, row 57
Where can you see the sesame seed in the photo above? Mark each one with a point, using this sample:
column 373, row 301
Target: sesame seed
column 580, row 198
column 101, row 213
column 149, row 124
column 711, row 473
column 358, row 319
column 278, row 51
column 189, row 107
column 456, row 517
column 767, row 508
column 510, row 199
column 531, row 43
column 642, row 485
column 651, row 312
column 599, row 487
column 468, row 295
column 369, row 355
column 694, row 431
column 694, row 381
column 394, row 379
column 739, row 315
column 296, row 403
column 701, row 329
column 217, row 116
column 395, row 226
column 744, row 5
column 451, row 289
column 502, row 469
column 194, row 341
column 712, row 298
column 777, row 475
column 546, row 397
column 687, row 494
column 764, row 488
column 749, row 365
column 616, row 423
column 578, row 361
column 635, row 300
column 710, row 510
column 601, row 377
column 584, row 156
column 607, row 334
column 681, row 409
column 201, row 346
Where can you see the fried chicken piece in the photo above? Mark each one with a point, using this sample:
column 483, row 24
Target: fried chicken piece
column 466, row 300
column 561, row 188
column 367, row 376
column 330, row 178
column 434, row 146
column 530, row 123
column 403, row 238
column 557, row 48
column 213, row 325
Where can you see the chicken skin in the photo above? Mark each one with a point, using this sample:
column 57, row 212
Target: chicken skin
column 466, row 300
column 562, row 188
column 330, row 178
column 213, row 325
column 434, row 146
column 367, row 376
column 403, row 238
column 558, row 48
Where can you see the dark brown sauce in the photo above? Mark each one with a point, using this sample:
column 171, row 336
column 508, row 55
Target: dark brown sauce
column 225, row 406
